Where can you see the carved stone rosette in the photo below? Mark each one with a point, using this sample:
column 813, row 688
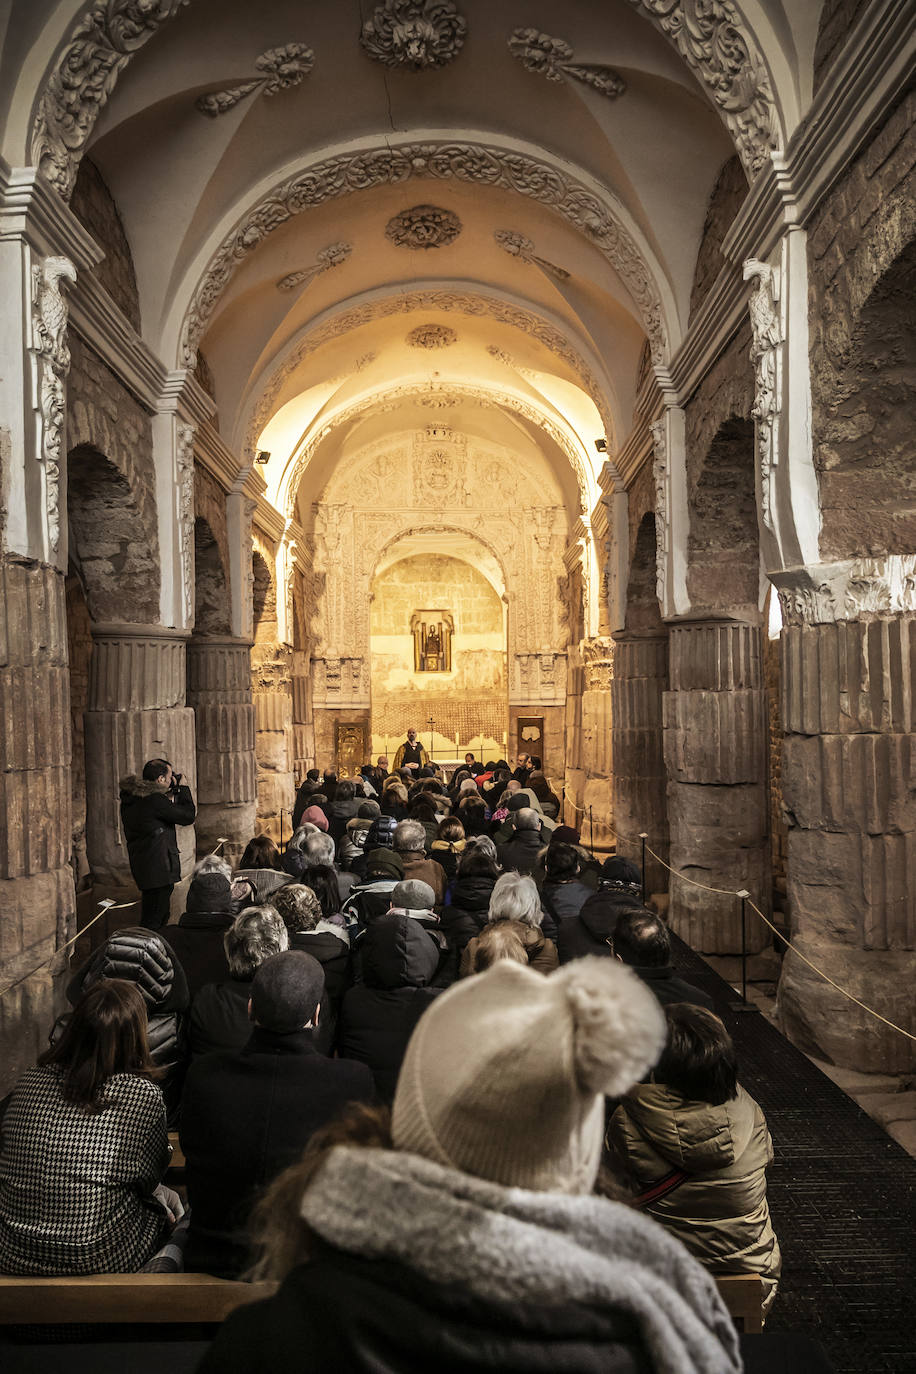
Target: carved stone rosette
column 99, row 48
column 766, row 328
column 52, row 363
column 553, row 57
column 414, row 34
column 423, row 226
column 282, row 68
column 431, row 336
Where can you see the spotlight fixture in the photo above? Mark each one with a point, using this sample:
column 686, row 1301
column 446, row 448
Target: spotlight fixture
column 262, row 456
column 601, row 445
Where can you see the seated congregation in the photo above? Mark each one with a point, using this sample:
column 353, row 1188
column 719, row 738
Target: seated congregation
column 433, row 1072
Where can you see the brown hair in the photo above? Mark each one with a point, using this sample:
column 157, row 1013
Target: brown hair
column 500, row 941
column 280, row 1238
column 261, row 852
column 105, row 1035
column 450, row 829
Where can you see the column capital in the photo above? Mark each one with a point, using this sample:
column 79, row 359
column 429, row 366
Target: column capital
column 849, row 589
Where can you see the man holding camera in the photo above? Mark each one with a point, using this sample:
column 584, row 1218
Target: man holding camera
column 151, row 807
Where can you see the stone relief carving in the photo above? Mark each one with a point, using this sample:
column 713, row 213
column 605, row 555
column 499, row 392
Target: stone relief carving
column 431, row 336
column 325, row 260
column 184, row 462
column 248, row 509
column 598, row 655
column 500, row 355
column 766, row 329
column 415, row 34
column 282, row 68
column 423, row 226
column 457, row 392
column 854, row 589
column 519, row 246
column 289, row 586
column 553, row 58
column 594, row 216
column 99, row 48
column 446, row 301
column 710, row 37
column 51, row 365
column 660, row 478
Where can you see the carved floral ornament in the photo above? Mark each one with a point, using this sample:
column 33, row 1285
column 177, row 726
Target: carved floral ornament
column 52, row 363
column 325, row 260
column 431, row 336
column 414, row 34
column 517, row 245
column 281, row 69
column 553, row 58
column 765, row 354
column 591, row 214
column 854, row 589
column 423, row 226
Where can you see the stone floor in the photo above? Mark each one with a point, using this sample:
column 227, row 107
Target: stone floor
column 842, row 1192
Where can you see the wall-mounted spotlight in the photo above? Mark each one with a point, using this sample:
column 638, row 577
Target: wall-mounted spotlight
column 262, row 456
column 601, row 445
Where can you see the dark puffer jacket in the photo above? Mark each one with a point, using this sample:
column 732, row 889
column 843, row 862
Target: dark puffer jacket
column 140, row 956
column 400, row 958
column 589, row 930
column 149, row 815
column 330, row 945
column 466, row 914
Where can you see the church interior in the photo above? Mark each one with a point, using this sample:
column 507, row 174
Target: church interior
column 541, row 377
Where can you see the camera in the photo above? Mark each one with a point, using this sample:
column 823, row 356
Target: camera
column 176, row 782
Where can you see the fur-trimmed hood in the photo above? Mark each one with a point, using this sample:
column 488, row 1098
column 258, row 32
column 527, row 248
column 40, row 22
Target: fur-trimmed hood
column 132, row 786
column 494, row 1243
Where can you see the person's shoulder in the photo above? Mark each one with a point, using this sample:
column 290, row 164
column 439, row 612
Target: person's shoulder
column 133, row 1089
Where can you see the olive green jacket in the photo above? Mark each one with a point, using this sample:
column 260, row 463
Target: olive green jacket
column 720, row 1210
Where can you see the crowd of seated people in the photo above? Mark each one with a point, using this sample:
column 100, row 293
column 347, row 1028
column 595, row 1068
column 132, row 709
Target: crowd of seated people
column 307, row 983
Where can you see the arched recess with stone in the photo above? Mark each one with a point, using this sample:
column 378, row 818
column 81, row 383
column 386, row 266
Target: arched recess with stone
column 271, row 683
column 640, row 680
column 219, row 691
column 849, row 642
column 715, row 718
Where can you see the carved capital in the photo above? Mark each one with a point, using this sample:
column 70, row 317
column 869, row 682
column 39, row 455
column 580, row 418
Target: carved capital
column 854, row 589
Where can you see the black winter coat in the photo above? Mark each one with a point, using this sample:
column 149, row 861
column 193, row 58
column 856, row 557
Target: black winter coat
column 588, row 931
column 562, row 901
column 466, row 914
column 400, row 958
column 246, row 1115
column 197, row 943
column 333, row 954
column 345, row 1312
column 521, row 853
column 219, row 1017
column 149, row 815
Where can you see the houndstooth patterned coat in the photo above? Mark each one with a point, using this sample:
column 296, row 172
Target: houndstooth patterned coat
column 74, row 1187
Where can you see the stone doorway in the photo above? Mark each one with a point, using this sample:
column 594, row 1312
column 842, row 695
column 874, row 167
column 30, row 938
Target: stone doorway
column 350, row 749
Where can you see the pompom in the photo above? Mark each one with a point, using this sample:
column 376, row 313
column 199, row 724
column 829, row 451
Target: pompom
column 619, row 1029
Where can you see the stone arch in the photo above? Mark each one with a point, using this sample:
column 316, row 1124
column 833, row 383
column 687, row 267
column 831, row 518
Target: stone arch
column 263, row 594
column 109, row 540
column 865, row 450
column 723, row 555
column 211, row 588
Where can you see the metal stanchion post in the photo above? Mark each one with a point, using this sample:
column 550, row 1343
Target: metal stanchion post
column 281, row 827
column 744, row 1004
column 644, row 835
column 591, row 832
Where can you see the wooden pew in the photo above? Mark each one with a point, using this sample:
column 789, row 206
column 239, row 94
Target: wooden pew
column 124, row 1298
column 182, row 1298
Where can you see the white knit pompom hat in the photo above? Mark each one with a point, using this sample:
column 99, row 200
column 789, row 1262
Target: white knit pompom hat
column 505, row 1074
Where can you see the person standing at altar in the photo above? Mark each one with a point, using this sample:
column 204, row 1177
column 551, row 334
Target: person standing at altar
column 411, row 754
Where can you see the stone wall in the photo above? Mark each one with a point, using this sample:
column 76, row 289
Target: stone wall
column 862, row 269
column 271, row 686
column 92, row 203
column 79, row 657
column 726, row 200
column 838, row 19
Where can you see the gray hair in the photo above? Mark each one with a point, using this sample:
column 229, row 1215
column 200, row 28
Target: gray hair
column 469, row 785
column 485, row 844
column 318, row 851
column 515, row 898
column 527, row 819
column 301, row 835
column 255, row 934
column 213, row 863
column 409, row 836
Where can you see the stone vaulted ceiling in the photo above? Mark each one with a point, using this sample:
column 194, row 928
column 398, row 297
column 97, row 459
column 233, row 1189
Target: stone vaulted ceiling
column 342, row 204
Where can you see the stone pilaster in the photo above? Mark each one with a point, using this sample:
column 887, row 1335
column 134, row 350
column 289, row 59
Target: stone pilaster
column 595, row 742
column 137, row 711
column 715, row 737
column 303, row 726
column 849, row 788
column 271, row 681
column 36, row 882
column 640, row 780
column 219, row 692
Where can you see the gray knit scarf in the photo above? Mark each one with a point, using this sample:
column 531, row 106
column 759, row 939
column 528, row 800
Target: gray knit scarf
column 515, row 1245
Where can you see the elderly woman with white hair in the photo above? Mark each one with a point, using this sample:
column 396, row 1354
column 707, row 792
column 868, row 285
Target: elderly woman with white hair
column 516, row 903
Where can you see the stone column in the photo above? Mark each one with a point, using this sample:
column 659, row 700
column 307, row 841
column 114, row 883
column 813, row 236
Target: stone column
column 640, row 780
column 271, row 681
column 219, row 692
column 36, row 882
column 137, row 711
column 596, row 743
column 849, row 788
column 302, row 726
column 715, row 734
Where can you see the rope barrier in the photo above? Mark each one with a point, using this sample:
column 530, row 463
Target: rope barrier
column 108, row 905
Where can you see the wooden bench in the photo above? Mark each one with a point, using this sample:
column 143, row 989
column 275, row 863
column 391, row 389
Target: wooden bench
column 125, row 1298
column 182, row 1298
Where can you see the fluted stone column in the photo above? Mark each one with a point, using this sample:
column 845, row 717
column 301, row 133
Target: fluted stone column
column 303, row 728
column 849, row 788
column 640, row 779
column 219, row 692
column 596, row 743
column 36, row 882
column 137, row 711
column 715, row 735
column 271, row 680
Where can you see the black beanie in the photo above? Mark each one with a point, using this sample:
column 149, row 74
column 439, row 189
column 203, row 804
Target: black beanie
column 209, row 892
